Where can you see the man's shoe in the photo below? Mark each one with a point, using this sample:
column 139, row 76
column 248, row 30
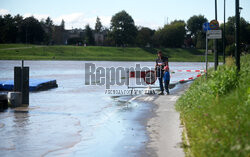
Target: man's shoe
column 161, row 93
column 167, row 93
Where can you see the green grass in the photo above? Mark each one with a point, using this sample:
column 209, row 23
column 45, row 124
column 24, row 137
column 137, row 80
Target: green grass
column 216, row 112
column 96, row 53
column 6, row 46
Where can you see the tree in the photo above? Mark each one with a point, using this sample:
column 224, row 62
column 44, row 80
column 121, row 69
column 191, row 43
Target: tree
column 144, row 36
column 230, row 30
column 171, row 35
column 49, row 30
column 194, row 26
column 89, row 39
column 98, row 25
column 8, row 29
column 31, row 31
column 123, row 29
column 62, row 24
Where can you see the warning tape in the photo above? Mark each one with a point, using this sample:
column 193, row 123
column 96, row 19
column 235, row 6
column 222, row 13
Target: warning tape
column 188, row 70
column 189, row 79
column 141, row 74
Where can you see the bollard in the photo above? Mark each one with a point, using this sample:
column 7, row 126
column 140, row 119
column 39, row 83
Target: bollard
column 3, row 101
column 15, row 99
column 21, row 83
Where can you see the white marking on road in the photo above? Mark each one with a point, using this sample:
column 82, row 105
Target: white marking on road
column 174, row 98
column 148, row 98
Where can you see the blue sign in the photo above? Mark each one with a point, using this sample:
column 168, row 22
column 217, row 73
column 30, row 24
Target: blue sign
column 206, row 26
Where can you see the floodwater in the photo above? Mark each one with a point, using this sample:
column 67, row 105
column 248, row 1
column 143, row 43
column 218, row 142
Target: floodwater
column 75, row 119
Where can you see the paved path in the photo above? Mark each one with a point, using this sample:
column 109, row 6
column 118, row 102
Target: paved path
column 165, row 130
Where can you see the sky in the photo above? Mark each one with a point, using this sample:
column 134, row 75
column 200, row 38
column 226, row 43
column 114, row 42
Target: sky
column 147, row 13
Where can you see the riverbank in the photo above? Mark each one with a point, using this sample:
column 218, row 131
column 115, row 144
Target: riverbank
column 216, row 112
column 97, row 53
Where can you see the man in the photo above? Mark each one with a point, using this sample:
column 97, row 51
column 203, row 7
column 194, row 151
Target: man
column 161, row 62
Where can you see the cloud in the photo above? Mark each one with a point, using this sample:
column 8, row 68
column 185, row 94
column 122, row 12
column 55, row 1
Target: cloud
column 37, row 16
column 79, row 20
column 150, row 24
column 4, row 11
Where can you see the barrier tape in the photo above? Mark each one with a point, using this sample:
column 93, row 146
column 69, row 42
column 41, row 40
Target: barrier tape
column 188, row 70
column 141, row 74
column 190, row 78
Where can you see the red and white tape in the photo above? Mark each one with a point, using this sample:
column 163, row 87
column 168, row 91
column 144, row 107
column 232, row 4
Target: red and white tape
column 188, row 70
column 190, row 78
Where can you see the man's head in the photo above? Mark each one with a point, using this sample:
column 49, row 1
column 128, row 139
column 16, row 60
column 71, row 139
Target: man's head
column 159, row 54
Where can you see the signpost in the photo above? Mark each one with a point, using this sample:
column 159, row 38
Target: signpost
column 214, row 25
column 212, row 32
column 206, row 26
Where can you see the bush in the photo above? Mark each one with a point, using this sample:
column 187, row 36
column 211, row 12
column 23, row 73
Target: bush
column 230, row 50
column 216, row 111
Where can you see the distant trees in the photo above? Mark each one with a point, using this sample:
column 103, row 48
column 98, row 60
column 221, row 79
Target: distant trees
column 144, row 37
column 48, row 27
column 31, row 31
column 123, row 29
column 171, row 35
column 98, row 25
column 230, row 33
column 122, row 32
column 89, row 39
column 194, row 26
column 10, row 28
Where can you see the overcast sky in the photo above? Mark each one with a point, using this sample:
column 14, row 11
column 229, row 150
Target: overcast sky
column 149, row 13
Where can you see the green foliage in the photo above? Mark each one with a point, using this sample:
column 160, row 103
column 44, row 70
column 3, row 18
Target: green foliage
column 244, row 30
column 123, row 29
column 194, row 23
column 171, row 35
column 98, row 25
column 230, row 49
column 216, row 112
column 201, row 40
column 31, row 31
column 144, row 36
column 222, row 81
column 89, row 39
column 194, row 26
column 9, row 28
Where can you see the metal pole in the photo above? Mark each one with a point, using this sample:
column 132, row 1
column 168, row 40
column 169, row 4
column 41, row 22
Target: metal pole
column 237, row 33
column 215, row 42
column 224, row 33
column 206, row 55
column 26, row 35
column 22, row 77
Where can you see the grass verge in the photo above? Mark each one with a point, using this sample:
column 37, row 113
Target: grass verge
column 216, row 112
column 35, row 52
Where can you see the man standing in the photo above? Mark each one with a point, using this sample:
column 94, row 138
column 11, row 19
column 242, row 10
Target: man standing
column 161, row 62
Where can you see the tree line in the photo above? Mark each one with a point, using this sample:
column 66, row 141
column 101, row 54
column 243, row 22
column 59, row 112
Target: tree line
column 122, row 32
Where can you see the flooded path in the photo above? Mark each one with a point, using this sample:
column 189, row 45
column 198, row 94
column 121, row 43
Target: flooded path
column 75, row 119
